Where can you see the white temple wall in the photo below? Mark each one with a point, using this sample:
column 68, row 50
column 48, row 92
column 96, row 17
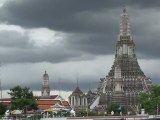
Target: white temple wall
column 130, row 51
column 118, row 87
column 95, row 103
column 125, row 49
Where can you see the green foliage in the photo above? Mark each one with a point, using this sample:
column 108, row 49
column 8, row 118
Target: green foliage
column 81, row 113
column 3, row 109
column 92, row 114
column 22, row 98
column 65, row 113
column 150, row 101
column 114, row 107
column 32, row 117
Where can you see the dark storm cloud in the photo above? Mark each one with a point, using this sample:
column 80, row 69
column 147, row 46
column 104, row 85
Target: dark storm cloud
column 70, row 15
column 143, row 3
column 92, row 44
column 37, row 55
column 90, row 27
column 67, row 85
column 94, row 26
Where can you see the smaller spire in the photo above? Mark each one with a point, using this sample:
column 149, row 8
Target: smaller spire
column 124, row 23
column 77, row 83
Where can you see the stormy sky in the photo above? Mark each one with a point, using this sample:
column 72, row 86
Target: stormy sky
column 73, row 40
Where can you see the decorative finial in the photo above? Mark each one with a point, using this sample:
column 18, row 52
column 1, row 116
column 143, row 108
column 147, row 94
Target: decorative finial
column 124, row 10
column 77, row 83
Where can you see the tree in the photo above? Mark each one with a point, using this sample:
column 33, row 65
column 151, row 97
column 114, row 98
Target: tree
column 3, row 109
column 115, row 107
column 22, row 98
column 151, row 101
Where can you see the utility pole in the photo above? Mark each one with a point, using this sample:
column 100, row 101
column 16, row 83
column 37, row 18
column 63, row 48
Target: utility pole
column 59, row 82
column 157, row 109
column 0, row 83
column 1, row 89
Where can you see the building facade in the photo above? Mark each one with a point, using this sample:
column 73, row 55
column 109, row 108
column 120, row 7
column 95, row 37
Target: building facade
column 125, row 81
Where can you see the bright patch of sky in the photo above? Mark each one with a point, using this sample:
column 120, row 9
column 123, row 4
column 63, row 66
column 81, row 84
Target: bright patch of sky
column 7, row 27
column 2, row 2
column 42, row 37
column 39, row 37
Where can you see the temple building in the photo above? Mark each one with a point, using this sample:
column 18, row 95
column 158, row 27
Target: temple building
column 45, row 101
column 78, row 100
column 45, row 86
column 125, row 81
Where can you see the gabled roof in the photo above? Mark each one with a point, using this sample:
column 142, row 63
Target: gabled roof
column 5, row 99
column 6, row 103
column 48, row 102
column 77, row 91
column 45, row 104
column 53, row 96
column 57, row 106
column 66, row 104
column 89, row 92
column 49, row 97
column 43, row 107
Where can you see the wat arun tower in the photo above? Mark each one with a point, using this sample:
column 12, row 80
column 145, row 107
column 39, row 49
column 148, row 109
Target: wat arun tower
column 125, row 81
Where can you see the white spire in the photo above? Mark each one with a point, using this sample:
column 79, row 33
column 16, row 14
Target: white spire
column 45, row 86
column 124, row 23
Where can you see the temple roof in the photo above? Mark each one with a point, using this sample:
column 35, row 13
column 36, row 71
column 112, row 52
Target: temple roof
column 89, row 92
column 77, row 91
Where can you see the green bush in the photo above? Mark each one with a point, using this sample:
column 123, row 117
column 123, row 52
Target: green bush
column 81, row 113
column 3, row 109
column 92, row 113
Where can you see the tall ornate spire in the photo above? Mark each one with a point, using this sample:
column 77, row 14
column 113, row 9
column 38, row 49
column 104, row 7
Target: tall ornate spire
column 124, row 24
column 45, row 85
column 123, row 83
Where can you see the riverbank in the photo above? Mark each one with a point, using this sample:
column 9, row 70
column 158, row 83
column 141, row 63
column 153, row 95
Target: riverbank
column 147, row 117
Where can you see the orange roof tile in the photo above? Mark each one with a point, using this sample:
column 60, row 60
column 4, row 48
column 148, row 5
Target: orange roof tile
column 6, row 103
column 53, row 96
column 66, row 104
column 5, row 99
column 43, row 107
column 48, row 102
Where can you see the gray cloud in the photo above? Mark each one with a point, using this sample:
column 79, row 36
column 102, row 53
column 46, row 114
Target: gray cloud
column 71, row 15
column 90, row 29
column 60, row 15
column 13, row 39
column 97, row 21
